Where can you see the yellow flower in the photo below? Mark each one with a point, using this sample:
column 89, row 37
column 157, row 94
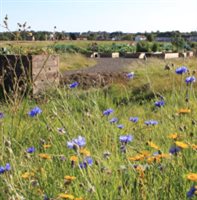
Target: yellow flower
column 27, row 175
column 80, row 198
column 74, row 158
column 184, row 111
column 181, row 144
column 141, row 171
column 152, row 159
column 151, row 144
column 44, row 156
column 46, row 146
column 69, row 178
column 157, row 158
column 136, row 158
column 85, row 152
column 145, row 153
column 194, row 146
column 192, row 177
column 66, row 196
column 173, row 136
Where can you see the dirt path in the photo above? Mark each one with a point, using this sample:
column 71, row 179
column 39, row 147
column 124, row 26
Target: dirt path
column 106, row 65
column 106, row 71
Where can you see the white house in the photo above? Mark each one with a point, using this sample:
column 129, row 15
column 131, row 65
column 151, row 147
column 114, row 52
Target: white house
column 140, row 38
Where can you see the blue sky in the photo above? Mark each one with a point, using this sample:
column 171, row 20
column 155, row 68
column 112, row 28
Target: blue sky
column 102, row 15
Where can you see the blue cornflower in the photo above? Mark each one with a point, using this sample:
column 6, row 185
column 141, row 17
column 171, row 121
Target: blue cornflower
column 4, row 169
column 113, row 120
column 108, row 112
column 151, row 122
column 80, row 142
column 130, row 75
column 88, row 161
column 191, row 192
column 74, row 85
column 174, row 150
column 46, row 197
column 159, row 103
column 190, row 79
column 126, row 138
column 134, row 119
column 120, row 126
column 30, row 150
column 1, row 115
column 35, row 111
column 181, row 70
column 7, row 167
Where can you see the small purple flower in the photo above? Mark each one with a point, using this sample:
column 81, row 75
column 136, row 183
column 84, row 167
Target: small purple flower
column 35, row 111
column 190, row 79
column 126, row 138
column 134, row 119
column 74, row 85
column 31, row 150
column 80, row 142
column 191, row 192
column 120, row 126
column 174, row 150
column 151, row 122
column 1, row 115
column 181, row 70
column 159, row 103
column 130, row 75
column 113, row 120
column 108, row 112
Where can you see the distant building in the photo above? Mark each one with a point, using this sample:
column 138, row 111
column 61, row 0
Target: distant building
column 163, row 39
column 193, row 38
column 140, row 38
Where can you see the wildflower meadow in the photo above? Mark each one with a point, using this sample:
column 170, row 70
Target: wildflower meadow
column 134, row 140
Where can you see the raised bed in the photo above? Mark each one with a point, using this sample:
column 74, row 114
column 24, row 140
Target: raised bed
column 33, row 72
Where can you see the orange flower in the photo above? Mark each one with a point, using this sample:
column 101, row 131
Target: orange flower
column 192, row 177
column 151, row 144
column 66, row 196
column 173, row 136
column 184, row 111
column 27, row 175
column 74, row 158
column 46, row 146
column 181, row 144
column 85, row 152
column 44, row 156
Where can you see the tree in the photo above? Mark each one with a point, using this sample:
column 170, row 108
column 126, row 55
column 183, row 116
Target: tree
column 155, row 47
column 150, row 37
column 179, row 42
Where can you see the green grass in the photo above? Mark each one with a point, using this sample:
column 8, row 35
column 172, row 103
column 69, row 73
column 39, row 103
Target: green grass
column 80, row 112
column 75, row 61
